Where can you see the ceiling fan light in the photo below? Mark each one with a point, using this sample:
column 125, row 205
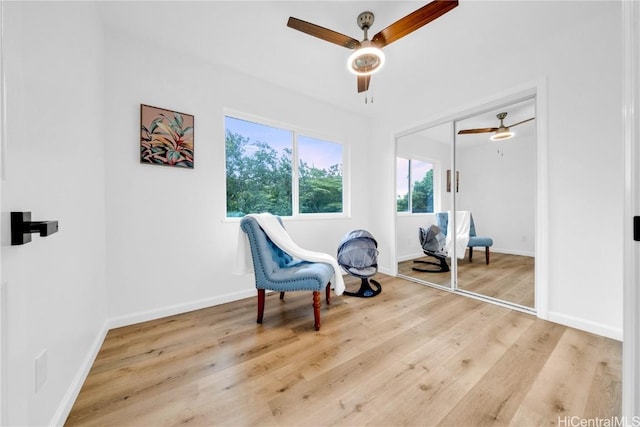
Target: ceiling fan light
column 366, row 60
column 502, row 134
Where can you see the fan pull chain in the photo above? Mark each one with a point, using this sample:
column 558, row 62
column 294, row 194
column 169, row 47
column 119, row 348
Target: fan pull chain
column 367, row 98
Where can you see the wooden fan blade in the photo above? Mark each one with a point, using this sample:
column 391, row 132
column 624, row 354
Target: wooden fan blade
column 519, row 123
column 481, row 130
column 323, row 33
column 413, row 21
column 363, row 83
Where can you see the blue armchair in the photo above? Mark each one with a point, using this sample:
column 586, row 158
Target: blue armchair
column 474, row 239
column 277, row 271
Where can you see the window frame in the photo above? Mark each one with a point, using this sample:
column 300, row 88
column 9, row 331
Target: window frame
column 437, row 193
column 296, row 131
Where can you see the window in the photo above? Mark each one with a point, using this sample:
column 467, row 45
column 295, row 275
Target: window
column 414, row 186
column 279, row 170
column 320, row 175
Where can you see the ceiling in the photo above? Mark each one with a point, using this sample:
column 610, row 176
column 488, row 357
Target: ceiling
column 516, row 113
column 252, row 37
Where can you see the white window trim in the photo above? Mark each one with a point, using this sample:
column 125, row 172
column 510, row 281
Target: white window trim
column 295, row 196
column 437, row 186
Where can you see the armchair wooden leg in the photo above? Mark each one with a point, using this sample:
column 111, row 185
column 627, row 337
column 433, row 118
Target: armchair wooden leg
column 316, row 309
column 261, row 294
column 328, row 293
column 470, row 253
column 281, row 295
column 486, row 254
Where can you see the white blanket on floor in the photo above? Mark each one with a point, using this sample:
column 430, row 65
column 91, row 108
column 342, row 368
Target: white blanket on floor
column 463, row 222
column 279, row 236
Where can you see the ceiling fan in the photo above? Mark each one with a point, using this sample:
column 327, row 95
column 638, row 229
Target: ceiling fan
column 368, row 57
column 501, row 132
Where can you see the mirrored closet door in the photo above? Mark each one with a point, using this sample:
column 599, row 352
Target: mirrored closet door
column 492, row 184
column 497, row 186
column 423, row 157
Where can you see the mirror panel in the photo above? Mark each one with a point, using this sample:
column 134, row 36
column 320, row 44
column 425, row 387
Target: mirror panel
column 495, row 181
column 498, row 187
column 422, row 159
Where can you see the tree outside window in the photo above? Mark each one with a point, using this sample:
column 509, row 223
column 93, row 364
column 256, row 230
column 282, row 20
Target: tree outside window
column 261, row 177
column 320, row 175
column 414, row 186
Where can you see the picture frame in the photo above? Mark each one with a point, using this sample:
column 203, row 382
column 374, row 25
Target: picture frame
column 449, row 181
column 166, row 137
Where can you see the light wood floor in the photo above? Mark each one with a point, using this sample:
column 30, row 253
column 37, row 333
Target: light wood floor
column 413, row 355
column 507, row 277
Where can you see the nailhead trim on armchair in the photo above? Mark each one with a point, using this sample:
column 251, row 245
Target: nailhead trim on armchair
column 276, row 270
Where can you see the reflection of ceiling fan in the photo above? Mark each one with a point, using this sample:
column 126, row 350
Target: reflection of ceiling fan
column 368, row 57
column 501, row 132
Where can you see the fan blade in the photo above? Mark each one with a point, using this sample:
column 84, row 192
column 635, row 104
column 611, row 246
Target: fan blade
column 363, row 83
column 481, row 130
column 413, row 21
column 322, row 33
column 519, row 123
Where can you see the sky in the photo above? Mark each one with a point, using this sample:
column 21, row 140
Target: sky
column 419, row 170
column 313, row 151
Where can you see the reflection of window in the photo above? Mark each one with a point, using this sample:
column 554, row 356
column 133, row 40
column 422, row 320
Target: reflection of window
column 261, row 176
column 414, row 186
column 402, row 184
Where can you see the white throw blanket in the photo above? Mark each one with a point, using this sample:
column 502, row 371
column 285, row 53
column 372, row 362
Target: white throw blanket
column 279, row 236
column 463, row 222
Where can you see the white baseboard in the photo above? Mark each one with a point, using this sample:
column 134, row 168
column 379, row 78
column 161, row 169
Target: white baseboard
column 493, row 250
column 410, row 257
column 171, row 310
column 384, row 270
column 69, row 399
column 71, row 395
column 512, row 252
column 73, row 391
column 585, row 325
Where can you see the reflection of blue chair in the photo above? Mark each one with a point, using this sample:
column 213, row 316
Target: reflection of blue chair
column 474, row 240
column 277, row 271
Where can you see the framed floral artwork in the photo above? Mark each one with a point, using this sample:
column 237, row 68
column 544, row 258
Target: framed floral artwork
column 166, row 137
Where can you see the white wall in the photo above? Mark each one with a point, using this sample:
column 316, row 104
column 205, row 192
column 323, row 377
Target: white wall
column 499, row 189
column 582, row 69
column 169, row 247
column 56, row 288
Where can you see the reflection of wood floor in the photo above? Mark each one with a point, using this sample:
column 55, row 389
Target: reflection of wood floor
column 413, row 355
column 508, row 277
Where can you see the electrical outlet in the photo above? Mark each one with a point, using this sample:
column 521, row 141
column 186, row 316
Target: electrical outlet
column 41, row 369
